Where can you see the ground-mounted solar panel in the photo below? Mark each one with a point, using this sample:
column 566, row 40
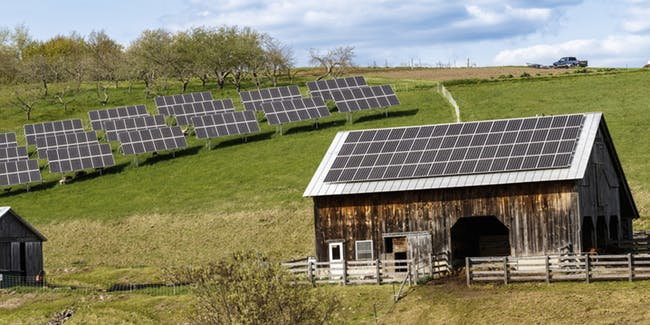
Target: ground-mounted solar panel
column 294, row 110
column 253, row 99
column 152, row 140
column 184, row 112
column 33, row 131
column 19, row 172
column 43, row 143
column 13, row 153
column 363, row 98
column 99, row 116
column 8, row 140
column 80, row 157
column 229, row 123
column 324, row 88
column 163, row 103
column 457, row 149
column 113, row 127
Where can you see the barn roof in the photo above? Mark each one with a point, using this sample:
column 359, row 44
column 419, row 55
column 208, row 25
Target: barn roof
column 332, row 179
column 7, row 210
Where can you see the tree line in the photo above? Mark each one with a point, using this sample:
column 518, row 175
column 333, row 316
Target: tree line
column 226, row 54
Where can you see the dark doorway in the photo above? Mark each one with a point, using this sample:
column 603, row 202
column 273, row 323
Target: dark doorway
column 613, row 228
column 588, row 240
column 602, row 234
column 479, row 236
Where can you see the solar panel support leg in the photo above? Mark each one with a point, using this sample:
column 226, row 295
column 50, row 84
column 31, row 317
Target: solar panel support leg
column 174, row 154
column 208, row 145
column 135, row 160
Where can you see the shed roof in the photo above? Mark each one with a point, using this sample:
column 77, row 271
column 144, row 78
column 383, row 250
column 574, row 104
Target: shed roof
column 7, row 210
column 575, row 169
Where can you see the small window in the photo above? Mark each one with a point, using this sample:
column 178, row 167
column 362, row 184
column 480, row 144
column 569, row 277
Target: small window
column 364, row 249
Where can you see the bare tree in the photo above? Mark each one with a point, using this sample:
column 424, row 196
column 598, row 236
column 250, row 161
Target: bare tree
column 278, row 58
column 335, row 61
column 107, row 57
column 26, row 99
column 66, row 95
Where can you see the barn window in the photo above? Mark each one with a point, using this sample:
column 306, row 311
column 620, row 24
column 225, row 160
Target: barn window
column 364, row 249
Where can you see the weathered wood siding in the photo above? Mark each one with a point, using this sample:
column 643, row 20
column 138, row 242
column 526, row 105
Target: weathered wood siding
column 541, row 217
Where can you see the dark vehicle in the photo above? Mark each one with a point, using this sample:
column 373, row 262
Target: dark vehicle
column 569, row 62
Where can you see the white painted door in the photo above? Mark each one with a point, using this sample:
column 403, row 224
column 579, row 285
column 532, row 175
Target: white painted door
column 336, row 259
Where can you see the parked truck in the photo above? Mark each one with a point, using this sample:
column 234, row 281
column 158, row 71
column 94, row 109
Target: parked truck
column 569, row 62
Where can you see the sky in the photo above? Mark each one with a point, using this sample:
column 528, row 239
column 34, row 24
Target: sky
column 383, row 32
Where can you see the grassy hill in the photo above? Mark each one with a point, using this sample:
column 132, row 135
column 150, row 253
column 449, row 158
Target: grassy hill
column 205, row 203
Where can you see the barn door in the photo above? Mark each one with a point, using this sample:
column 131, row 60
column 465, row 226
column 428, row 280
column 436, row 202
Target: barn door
column 336, row 259
column 419, row 247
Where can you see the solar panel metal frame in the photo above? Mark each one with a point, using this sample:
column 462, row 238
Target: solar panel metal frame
column 164, row 102
column 32, row 131
column 184, row 112
column 50, row 141
column 13, row 153
column 364, row 98
column 450, row 149
column 253, row 99
column 294, row 110
column 80, row 157
column 323, row 88
column 17, row 172
column 114, row 127
column 152, row 140
column 97, row 117
column 225, row 124
column 8, row 140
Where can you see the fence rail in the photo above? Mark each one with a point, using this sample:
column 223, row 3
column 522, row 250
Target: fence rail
column 554, row 268
column 369, row 272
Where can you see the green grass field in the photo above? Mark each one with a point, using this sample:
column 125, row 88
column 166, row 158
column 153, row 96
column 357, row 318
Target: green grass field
column 205, row 203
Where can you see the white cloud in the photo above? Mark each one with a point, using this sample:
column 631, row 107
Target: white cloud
column 637, row 16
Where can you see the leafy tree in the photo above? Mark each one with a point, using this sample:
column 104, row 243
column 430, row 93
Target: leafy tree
column 248, row 289
column 107, row 57
column 335, row 61
column 278, row 57
column 152, row 56
column 247, row 55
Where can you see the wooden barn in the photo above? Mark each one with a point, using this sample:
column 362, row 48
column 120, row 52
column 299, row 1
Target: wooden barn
column 514, row 187
column 21, row 251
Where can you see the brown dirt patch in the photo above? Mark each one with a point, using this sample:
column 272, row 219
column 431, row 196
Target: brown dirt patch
column 442, row 74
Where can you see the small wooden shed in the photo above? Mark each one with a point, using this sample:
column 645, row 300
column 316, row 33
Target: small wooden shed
column 519, row 187
column 21, row 250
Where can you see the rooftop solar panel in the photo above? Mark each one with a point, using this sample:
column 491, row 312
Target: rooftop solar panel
column 164, row 102
column 323, row 88
column 457, row 149
column 43, row 143
column 13, row 153
column 184, row 112
column 253, row 99
column 8, row 140
column 113, row 127
column 98, row 116
column 224, row 124
column 152, row 140
column 294, row 110
column 19, row 172
column 80, row 157
column 32, row 131
column 357, row 99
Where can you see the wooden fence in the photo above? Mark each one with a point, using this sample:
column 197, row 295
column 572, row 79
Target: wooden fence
column 553, row 268
column 369, row 272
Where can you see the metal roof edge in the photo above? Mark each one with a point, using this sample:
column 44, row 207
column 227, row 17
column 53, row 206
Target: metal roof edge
column 5, row 210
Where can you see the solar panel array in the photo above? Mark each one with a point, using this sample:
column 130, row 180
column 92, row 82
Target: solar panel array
column 50, row 141
column 19, row 172
column 294, row 110
column 32, row 131
column 457, row 149
column 13, row 153
column 324, row 88
column 253, row 99
column 184, row 112
column 362, row 98
column 99, row 116
column 152, row 140
column 164, row 102
column 230, row 123
column 113, row 127
column 8, row 140
column 80, row 157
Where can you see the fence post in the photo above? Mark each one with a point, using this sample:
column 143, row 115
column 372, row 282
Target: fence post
column 378, row 271
column 587, row 267
column 431, row 262
column 547, row 269
column 409, row 269
column 467, row 272
column 630, row 267
column 345, row 272
column 310, row 271
column 505, row 269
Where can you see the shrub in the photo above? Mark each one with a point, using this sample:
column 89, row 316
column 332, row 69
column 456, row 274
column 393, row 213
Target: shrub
column 525, row 75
